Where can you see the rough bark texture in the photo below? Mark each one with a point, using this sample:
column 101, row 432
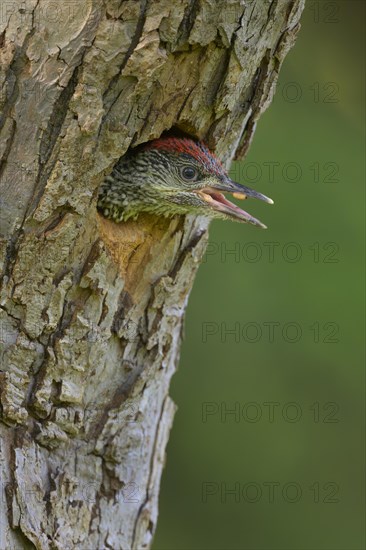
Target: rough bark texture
column 91, row 312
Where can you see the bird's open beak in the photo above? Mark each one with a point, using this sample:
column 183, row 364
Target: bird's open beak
column 217, row 200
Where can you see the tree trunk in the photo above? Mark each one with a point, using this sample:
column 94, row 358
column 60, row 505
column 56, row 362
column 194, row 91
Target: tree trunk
column 91, row 312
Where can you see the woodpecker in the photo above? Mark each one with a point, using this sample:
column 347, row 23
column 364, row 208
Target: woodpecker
column 172, row 176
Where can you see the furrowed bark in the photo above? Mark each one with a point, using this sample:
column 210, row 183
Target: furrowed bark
column 91, row 312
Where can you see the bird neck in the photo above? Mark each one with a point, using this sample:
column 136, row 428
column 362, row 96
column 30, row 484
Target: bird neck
column 128, row 190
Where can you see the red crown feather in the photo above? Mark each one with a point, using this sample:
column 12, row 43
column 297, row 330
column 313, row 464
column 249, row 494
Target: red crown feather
column 198, row 150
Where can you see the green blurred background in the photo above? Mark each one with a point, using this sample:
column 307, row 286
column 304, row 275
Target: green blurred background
column 292, row 455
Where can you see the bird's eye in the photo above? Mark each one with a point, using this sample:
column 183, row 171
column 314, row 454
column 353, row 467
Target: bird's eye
column 189, row 173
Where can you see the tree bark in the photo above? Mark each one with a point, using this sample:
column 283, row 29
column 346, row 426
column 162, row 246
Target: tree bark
column 91, row 312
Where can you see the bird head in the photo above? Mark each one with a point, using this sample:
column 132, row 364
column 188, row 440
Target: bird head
column 170, row 176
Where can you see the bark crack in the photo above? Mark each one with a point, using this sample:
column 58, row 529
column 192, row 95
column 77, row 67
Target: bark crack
column 134, row 42
column 151, row 470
